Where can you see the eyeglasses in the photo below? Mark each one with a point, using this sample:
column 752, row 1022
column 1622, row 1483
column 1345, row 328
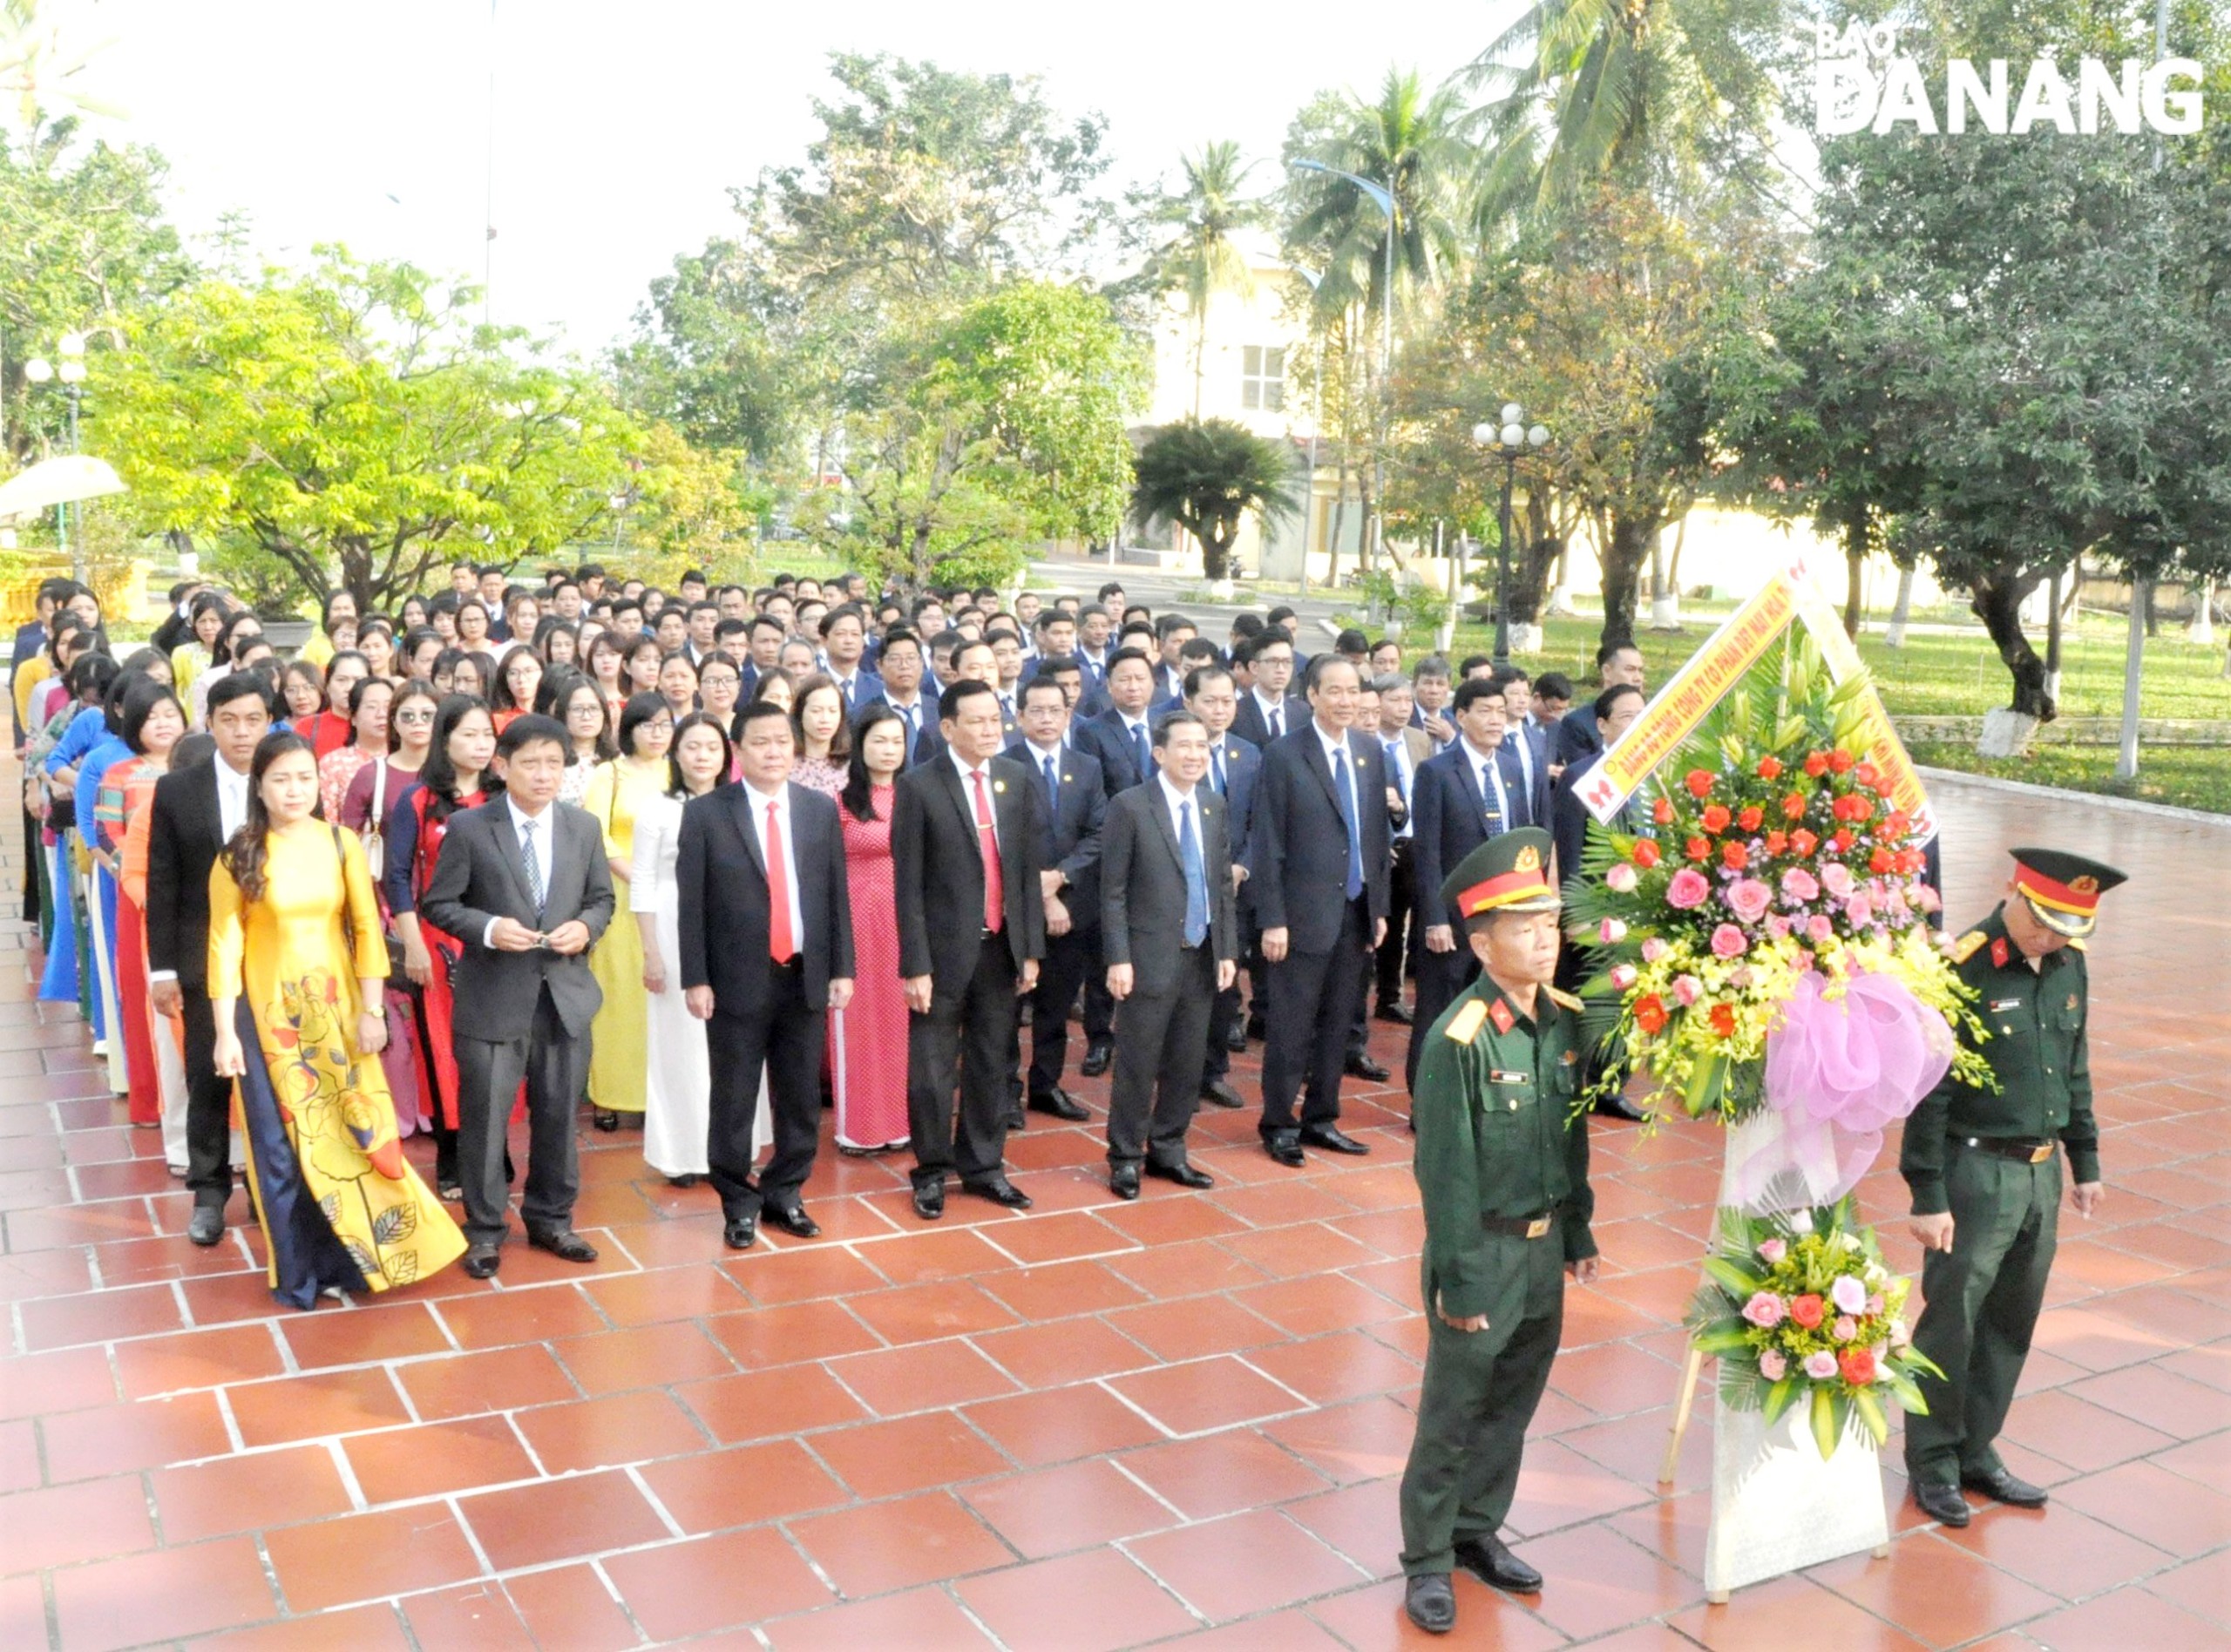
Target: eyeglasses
column 414, row 716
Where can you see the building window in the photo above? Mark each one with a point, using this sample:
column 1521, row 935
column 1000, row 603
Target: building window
column 1263, row 378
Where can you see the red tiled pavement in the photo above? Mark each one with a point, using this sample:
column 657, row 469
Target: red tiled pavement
column 1098, row 1425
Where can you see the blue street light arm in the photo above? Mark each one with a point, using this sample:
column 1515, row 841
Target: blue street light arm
column 1378, row 193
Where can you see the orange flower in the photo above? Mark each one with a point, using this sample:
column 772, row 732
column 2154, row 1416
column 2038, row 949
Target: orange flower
column 1698, row 780
column 1749, row 818
column 1803, row 842
column 1808, row 1310
column 1734, row 857
column 1769, row 767
column 1843, row 840
column 1839, row 763
column 1700, row 848
column 1857, row 1365
column 1662, row 811
column 1722, row 1020
column 1816, row 763
column 1646, row 854
column 1715, row 819
column 1776, row 842
column 1866, row 775
column 1650, row 1013
column 1793, row 807
column 1881, row 861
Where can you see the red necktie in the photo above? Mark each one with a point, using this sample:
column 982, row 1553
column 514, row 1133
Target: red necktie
column 988, row 845
column 781, row 945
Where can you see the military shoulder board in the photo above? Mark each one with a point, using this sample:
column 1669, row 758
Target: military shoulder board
column 1566, row 1000
column 1965, row 947
column 1464, row 1025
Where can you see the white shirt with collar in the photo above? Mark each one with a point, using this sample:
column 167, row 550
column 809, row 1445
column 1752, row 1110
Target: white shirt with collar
column 968, row 789
column 1274, row 712
column 759, row 802
column 1175, row 800
column 232, row 813
column 535, row 846
column 1487, row 773
column 1516, row 739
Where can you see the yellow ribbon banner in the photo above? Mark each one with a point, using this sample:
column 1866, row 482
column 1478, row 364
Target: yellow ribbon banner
column 1884, row 748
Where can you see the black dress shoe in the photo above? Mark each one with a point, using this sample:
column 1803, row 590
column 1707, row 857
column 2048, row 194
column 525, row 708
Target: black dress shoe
column 687, row 1179
column 481, row 1262
column 1220, row 1094
column 929, row 1199
column 999, row 1191
column 792, row 1220
column 1286, row 1151
column 1257, row 1028
column 1496, row 1567
column 1098, row 1055
column 740, row 1232
column 563, row 1244
column 1235, row 1040
column 1184, row 1175
column 1360, row 1065
column 1325, row 1136
column 1396, row 1013
column 1618, row 1106
column 2003, row 1487
column 1061, row 1104
column 1016, row 1120
column 1431, row 1602
column 607, row 1120
column 1940, row 1502
column 206, row 1225
column 1123, row 1180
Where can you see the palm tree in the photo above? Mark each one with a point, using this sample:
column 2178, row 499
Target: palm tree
column 37, row 65
column 1204, row 475
column 1200, row 257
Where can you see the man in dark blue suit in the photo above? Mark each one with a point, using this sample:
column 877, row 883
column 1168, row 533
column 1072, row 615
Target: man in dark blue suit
column 1072, row 804
column 1235, row 768
column 1526, row 745
column 844, row 640
column 1121, row 741
column 901, row 690
column 1267, row 711
column 1617, row 665
column 1465, row 795
column 1318, row 858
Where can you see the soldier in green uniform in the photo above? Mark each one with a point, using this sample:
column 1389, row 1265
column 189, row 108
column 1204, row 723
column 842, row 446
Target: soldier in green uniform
column 1983, row 1168
column 1502, row 1164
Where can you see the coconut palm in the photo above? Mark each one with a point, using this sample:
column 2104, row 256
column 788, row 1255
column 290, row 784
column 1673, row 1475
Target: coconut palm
column 1200, row 256
column 38, row 65
column 1204, row 475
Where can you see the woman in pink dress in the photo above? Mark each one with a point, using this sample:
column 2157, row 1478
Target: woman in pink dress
column 824, row 743
column 867, row 1040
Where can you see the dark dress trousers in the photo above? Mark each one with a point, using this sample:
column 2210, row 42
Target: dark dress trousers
column 519, row 1015
column 183, row 837
column 1161, row 1029
column 1451, row 817
column 766, row 1017
column 1297, row 850
column 1242, row 771
column 1070, row 815
column 964, row 1039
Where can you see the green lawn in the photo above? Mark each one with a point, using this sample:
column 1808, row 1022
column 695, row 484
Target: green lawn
column 2188, row 776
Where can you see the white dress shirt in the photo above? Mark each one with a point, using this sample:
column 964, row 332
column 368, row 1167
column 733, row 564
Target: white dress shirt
column 968, row 790
column 232, row 814
column 1488, row 775
column 1176, row 799
column 534, row 847
column 759, row 801
column 1274, row 713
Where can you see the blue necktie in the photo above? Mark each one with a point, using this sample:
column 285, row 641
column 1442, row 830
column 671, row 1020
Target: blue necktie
column 1394, row 768
column 1215, row 769
column 1344, row 789
column 1053, row 790
column 1139, row 751
column 1197, row 878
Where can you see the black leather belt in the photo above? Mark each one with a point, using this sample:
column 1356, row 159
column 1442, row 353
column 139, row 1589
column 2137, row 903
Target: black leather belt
column 1520, row 1227
column 2010, row 1147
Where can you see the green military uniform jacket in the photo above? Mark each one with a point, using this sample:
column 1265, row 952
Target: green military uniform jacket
column 2034, row 1022
column 1498, row 1136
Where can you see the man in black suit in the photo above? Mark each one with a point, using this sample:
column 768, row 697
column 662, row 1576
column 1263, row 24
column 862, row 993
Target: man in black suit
column 766, row 944
column 1072, row 807
column 1234, row 769
column 903, row 664
column 197, row 809
column 1317, row 867
column 1119, row 740
column 1526, row 748
column 522, row 881
column 1267, row 711
column 972, row 929
column 1171, row 945
column 1465, row 795
column 1612, row 713
column 1618, row 665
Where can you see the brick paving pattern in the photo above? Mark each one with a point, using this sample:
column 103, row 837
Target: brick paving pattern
column 1094, row 1427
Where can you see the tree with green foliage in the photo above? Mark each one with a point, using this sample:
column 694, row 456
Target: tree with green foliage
column 350, row 425
column 706, row 360
column 1206, row 475
column 1196, row 252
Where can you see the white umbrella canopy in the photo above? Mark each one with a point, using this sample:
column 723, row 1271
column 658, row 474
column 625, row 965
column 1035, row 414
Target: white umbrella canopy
column 53, row 482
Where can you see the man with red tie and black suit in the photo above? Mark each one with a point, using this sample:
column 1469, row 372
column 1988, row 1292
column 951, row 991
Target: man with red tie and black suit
column 766, row 942
column 972, row 929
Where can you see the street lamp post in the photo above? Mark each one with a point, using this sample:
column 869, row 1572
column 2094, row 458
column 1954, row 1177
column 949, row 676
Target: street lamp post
column 1510, row 436
column 1384, row 198
column 71, row 371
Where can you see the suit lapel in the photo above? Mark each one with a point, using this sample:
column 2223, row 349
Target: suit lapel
column 1158, row 806
column 742, row 806
column 1313, row 751
column 507, row 844
column 948, row 781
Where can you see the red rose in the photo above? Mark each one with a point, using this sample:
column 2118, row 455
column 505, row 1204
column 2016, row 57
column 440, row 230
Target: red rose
column 1816, row 763
column 1843, row 840
column 1776, row 842
column 1896, row 824
column 1734, row 857
column 1715, row 819
column 1808, row 1310
column 1880, row 861
column 1839, row 763
column 1700, row 848
column 1866, row 775
column 1793, row 807
column 1698, row 780
column 1662, row 811
column 1803, row 842
column 1645, row 854
column 1650, row 1013
column 1723, row 1020
column 1911, row 861
column 1769, row 768
column 1857, row 1365
column 1749, row 818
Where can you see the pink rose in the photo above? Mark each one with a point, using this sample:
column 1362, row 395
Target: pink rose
column 1819, row 930
column 1748, row 898
column 1688, row 989
column 1739, row 977
column 1800, row 884
column 1772, row 1365
column 1653, row 949
column 1820, row 1367
column 1857, row 913
column 1874, row 1305
column 1848, row 1293
column 1620, row 878
column 1624, row 976
column 1778, row 926
column 1772, row 1250
column 1688, row 888
column 1764, row 1310
column 1925, row 897
column 1845, row 1329
column 1835, row 877
column 1727, row 942
column 1611, row 931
